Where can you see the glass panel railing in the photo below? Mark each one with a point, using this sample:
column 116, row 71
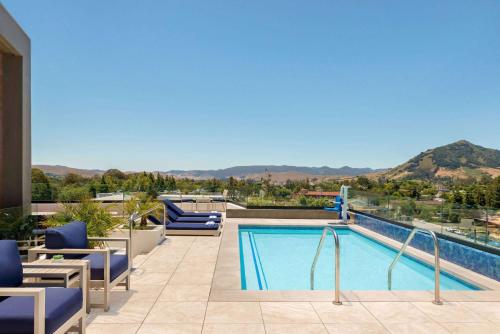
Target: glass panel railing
column 476, row 224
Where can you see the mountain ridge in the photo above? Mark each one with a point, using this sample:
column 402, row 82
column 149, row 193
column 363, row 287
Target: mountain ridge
column 250, row 171
column 458, row 160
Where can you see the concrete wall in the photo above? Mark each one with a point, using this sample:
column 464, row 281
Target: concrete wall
column 281, row 214
column 15, row 113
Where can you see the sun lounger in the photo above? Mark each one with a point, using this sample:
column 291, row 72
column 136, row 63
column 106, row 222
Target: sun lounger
column 175, row 218
column 181, row 213
column 172, row 228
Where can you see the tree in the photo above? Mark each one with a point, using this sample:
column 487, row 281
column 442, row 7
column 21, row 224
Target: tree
column 40, row 185
column 493, row 193
column 72, row 179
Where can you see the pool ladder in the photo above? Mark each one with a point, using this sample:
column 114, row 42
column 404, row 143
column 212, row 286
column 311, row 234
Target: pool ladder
column 437, row 267
column 337, row 262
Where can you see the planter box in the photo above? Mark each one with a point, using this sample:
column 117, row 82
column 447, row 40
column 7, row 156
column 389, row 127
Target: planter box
column 143, row 241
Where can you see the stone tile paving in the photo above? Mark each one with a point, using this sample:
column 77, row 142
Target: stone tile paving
column 171, row 288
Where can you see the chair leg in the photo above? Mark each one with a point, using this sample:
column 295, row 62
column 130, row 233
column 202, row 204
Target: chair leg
column 106, row 297
column 127, row 282
column 81, row 326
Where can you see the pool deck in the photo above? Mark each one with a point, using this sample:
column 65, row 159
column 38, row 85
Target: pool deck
column 192, row 285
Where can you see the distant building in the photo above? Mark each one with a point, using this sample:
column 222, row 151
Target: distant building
column 112, row 197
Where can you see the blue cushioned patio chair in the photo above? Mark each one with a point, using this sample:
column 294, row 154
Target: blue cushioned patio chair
column 25, row 310
column 107, row 270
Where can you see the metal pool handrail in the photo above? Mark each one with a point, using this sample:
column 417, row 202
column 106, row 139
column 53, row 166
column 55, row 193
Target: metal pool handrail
column 337, row 262
column 437, row 267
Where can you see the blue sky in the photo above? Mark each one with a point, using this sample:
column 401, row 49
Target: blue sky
column 159, row 85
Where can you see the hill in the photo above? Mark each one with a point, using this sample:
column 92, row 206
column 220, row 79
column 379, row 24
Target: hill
column 58, row 170
column 279, row 173
column 257, row 171
column 458, row 160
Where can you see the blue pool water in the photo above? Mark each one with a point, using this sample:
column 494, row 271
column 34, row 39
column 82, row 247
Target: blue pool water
column 280, row 258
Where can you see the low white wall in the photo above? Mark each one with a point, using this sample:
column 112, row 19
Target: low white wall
column 143, row 241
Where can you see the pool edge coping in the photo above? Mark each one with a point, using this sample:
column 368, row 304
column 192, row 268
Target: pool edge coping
column 226, row 284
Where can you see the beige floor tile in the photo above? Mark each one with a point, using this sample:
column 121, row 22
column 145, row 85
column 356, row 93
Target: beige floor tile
column 185, row 293
column 233, row 312
column 376, row 296
column 233, row 328
column 488, row 310
column 373, row 328
column 122, row 313
column 396, row 312
column 177, row 313
column 159, row 266
column 112, row 328
column 425, row 327
column 472, row 328
column 449, row 312
column 295, row 329
column 200, row 266
column 170, row 329
column 230, row 280
column 193, row 277
column 414, row 296
column 483, row 296
column 289, row 313
column 346, row 313
column 150, row 278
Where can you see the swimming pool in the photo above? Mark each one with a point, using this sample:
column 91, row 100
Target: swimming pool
column 280, row 258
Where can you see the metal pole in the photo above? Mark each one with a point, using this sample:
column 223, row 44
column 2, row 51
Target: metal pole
column 437, row 266
column 337, row 269
column 337, row 262
column 437, row 270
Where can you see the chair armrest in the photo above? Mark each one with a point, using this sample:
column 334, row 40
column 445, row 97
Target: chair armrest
column 39, row 295
column 126, row 240
column 24, row 292
column 35, row 251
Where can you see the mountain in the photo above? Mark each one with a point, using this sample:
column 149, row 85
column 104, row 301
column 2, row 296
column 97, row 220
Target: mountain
column 279, row 173
column 58, row 170
column 256, row 172
column 458, row 160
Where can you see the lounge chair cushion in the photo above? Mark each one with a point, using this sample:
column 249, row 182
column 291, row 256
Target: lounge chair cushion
column 16, row 313
column 190, row 226
column 118, row 264
column 11, row 270
column 179, row 219
column 179, row 212
column 72, row 235
column 154, row 220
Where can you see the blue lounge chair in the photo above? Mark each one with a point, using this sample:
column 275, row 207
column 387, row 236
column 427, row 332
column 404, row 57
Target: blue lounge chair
column 36, row 310
column 181, row 213
column 172, row 228
column 175, row 218
column 106, row 270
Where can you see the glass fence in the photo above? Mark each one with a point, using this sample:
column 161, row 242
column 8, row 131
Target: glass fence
column 479, row 225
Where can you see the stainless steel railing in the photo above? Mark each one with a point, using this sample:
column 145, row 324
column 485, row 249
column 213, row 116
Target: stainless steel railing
column 337, row 262
column 437, row 267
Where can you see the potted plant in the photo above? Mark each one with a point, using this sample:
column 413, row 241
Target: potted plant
column 144, row 236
